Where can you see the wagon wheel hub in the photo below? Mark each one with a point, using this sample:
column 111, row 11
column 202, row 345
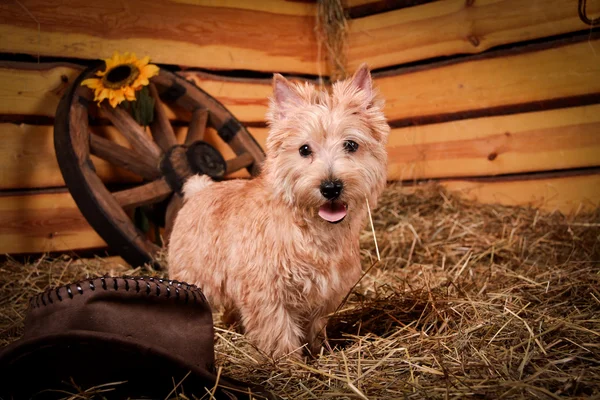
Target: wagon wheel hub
column 181, row 161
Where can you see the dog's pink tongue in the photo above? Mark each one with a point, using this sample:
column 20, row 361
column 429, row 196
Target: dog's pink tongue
column 332, row 211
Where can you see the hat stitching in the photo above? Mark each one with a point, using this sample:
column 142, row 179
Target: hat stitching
column 45, row 298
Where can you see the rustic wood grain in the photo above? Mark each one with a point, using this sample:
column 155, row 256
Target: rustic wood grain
column 149, row 193
column 539, row 141
column 40, row 223
column 32, row 89
column 161, row 128
column 137, row 136
column 242, row 161
column 443, row 92
column 28, row 89
column 518, row 79
column 233, row 35
column 173, row 208
column 568, row 195
column 276, row 35
column 446, row 28
column 197, row 126
column 123, row 157
column 44, row 222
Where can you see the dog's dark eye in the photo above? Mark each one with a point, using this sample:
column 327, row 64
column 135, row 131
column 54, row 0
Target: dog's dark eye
column 305, row 150
column 350, row 146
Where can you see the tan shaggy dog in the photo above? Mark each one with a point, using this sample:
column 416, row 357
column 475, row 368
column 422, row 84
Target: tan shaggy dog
column 281, row 251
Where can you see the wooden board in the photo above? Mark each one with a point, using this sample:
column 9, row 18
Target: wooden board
column 538, row 141
column 40, row 223
column 264, row 36
column 547, row 140
column 31, row 89
column 28, row 89
column 492, row 85
column 568, row 195
column 46, row 222
column 450, row 27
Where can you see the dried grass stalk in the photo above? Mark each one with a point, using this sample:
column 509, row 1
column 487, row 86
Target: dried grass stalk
column 331, row 30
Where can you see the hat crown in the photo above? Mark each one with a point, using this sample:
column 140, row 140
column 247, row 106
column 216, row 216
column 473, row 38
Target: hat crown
column 159, row 313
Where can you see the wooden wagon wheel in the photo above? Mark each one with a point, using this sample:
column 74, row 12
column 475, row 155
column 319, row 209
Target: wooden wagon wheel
column 161, row 162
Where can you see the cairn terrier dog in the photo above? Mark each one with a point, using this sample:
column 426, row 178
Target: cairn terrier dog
column 279, row 252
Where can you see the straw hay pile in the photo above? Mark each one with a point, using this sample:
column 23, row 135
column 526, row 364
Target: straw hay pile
column 468, row 301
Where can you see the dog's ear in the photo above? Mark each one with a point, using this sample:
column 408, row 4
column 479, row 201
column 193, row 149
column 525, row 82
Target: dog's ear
column 362, row 80
column 284, row 96
column 283, row 90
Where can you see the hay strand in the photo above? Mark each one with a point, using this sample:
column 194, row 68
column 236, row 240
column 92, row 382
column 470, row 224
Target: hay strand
column 331, row 30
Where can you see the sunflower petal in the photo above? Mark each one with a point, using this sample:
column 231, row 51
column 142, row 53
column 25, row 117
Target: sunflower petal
column 116, row 98
column 129, row 93
column 104, row 94
column 150, row 70
column 140, row 82
column 112, row 61
column 92, row 83
column 143, row 62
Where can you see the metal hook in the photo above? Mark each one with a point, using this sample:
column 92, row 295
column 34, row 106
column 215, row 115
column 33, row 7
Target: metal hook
column 583, row 16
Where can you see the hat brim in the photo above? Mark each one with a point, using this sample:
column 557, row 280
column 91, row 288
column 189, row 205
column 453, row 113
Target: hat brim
column 48, row 367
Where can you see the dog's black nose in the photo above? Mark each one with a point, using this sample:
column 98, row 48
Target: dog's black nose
column 331, row 189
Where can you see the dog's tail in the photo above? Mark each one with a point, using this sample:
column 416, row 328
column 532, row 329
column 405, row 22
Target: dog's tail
column 195, row 183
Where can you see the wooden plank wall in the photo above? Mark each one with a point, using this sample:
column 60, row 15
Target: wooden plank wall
column 498, row 100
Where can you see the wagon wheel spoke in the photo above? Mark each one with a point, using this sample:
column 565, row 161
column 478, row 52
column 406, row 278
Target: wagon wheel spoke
column 173, row 208
column 135, row 134
column 122, row 157
column 197, row 126
column 161, row 128
column 146, row 194
column 242, row 161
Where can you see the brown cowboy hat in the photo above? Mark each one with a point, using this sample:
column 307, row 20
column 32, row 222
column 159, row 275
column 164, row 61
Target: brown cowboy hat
column 129, row 337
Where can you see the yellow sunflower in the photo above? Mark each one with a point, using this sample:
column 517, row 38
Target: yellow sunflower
column 123, row 76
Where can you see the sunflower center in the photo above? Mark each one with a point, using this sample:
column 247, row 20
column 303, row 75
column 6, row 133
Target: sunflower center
column 121, row 75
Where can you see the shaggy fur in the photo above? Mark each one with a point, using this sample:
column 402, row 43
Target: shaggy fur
column 259, row 247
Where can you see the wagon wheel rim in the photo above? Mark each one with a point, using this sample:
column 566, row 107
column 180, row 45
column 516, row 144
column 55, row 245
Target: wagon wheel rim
column 158, row 159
